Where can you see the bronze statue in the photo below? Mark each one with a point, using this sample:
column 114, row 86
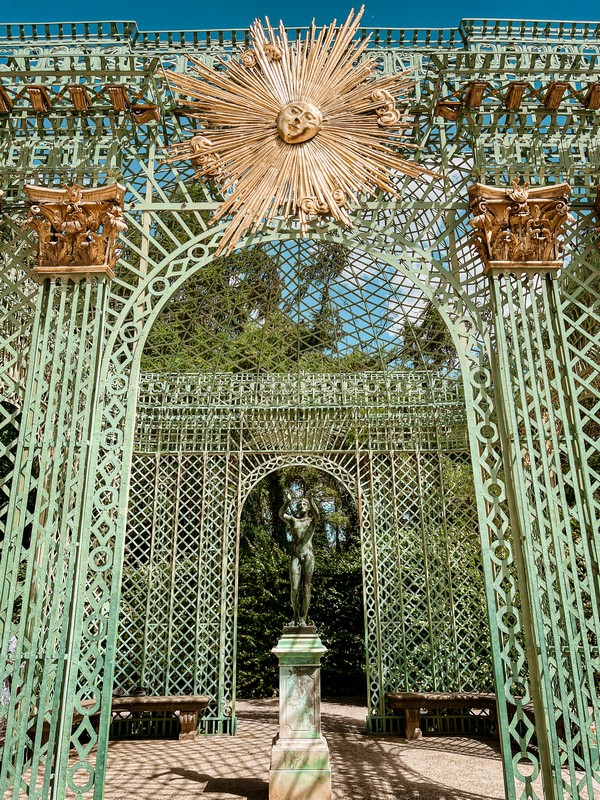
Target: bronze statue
column 302, row 526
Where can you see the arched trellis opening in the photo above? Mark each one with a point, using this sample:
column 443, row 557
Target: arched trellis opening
column 263, row 591
column 365, row 405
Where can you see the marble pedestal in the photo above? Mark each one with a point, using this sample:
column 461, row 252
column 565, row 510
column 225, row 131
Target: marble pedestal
column 299, row 757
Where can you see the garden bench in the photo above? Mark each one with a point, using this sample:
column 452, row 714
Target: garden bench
column 412, row 703
column 189, row 707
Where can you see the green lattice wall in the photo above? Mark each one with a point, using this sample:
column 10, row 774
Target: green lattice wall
column 419, row 536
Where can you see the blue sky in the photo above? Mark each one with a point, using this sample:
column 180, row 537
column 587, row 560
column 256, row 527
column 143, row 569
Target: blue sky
column 183, row 14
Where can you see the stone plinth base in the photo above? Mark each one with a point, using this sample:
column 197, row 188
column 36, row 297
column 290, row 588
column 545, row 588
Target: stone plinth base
column 300, row 757
column 300, row 770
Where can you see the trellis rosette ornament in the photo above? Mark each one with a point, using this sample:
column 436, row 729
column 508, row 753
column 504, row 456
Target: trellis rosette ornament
column 298, row 129
column 78, row 229
column 519, row 229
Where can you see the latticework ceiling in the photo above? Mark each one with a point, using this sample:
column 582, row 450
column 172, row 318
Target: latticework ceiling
column 299, row 307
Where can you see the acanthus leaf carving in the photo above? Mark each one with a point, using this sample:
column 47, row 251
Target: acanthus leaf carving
column 519, row 229
column 77, row 228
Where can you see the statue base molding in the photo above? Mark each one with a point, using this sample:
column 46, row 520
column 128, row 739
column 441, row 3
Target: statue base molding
column 300, row 768
column 299, row 629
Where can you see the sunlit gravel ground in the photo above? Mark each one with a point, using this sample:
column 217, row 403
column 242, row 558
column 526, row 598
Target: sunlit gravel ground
column 364, row 767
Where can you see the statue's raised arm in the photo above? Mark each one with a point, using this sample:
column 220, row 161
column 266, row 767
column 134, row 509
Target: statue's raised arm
column 315, row 508
column 282, row 511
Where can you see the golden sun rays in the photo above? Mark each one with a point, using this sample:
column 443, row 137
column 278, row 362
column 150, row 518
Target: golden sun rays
column 295, row 130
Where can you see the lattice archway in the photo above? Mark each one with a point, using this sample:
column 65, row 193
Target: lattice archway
column 377, row 466
column 255, row 472
column 384, row 484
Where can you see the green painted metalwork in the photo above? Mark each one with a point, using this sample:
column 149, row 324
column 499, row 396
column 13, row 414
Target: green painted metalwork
column 84, row 433
column 396, row 440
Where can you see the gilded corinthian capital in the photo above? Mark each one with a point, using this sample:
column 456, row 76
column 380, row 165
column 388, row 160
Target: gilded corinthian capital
column 78, row 229
column 519, row 229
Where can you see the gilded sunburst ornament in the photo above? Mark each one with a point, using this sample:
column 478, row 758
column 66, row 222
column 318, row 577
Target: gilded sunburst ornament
column 298, row 129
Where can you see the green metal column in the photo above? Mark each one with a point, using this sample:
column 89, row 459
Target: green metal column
column 552, row 519
column 50, row 546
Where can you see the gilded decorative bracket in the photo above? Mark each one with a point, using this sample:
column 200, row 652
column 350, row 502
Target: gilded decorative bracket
column 518, row 230
column 78, row 229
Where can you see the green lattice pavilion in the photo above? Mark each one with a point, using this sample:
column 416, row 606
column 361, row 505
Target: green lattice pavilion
column 452, row 328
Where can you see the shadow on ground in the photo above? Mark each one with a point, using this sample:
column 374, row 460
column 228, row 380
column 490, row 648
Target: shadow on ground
column 248, row 788
column 364, row 767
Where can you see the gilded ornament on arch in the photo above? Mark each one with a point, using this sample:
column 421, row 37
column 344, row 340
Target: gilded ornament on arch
column 249, row 59
column 312, row 205
column 273, row 52
column 205, row 157
column 145, row 112
column 300, row 129
column 387, row 113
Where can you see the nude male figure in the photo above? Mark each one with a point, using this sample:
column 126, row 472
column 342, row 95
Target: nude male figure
column 302, row 526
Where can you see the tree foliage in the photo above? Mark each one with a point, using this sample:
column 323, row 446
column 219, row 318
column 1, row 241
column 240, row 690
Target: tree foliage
column 268, row 309
column 427, row 340
column 238, row 314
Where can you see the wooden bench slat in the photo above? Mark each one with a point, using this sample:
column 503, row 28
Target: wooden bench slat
column 160, row 703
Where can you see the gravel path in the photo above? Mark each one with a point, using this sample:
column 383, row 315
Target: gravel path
column 364, row 767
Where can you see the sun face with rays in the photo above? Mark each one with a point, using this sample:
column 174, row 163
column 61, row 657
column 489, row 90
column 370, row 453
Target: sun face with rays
column 298, row 129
